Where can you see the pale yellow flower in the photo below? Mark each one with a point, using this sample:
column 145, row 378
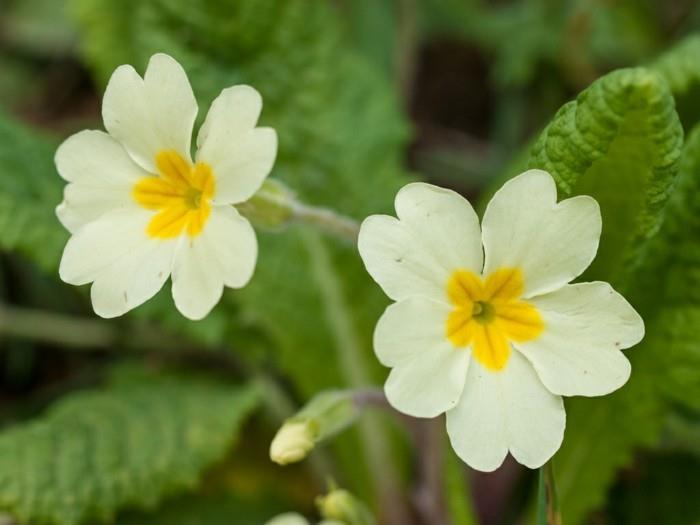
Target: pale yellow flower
column 486, row 326
column 140, row 209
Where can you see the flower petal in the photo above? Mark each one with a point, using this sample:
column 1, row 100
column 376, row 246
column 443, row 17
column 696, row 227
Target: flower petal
column 503, row 411
column 94, row 158
column 240, row 155
column 101, row 176
column 126, row 266
column 241, row 170
column 436, row 234
column 586, row 325
column 86, row 203
column 223, row 254
column 409, row 328
column 100, row 243
column 152, row 114
column 430, row 383
column 525, row 228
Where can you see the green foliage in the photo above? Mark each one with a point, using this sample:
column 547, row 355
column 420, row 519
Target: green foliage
column 620, row 141
column 130, row 445
column 673, row 267
column 311, row 308
column 680, row 67
column 340, row 135
column 302, row 67
column 29, row 191
column 603, row 434
column 579, row 37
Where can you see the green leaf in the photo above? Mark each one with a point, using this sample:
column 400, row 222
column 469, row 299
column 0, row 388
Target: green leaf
column 30, row 189
column 675, row 335
column 673, row 264
column 373, row 27
column 668, row 285
column 619, row 141
column 341, row 138
column 130, row 445
column 602, row 435
column 340, row 144
column 524, row 39
column 681, row 69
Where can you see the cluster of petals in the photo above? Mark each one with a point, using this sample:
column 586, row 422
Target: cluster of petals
column 140, row 209
column 486, row 326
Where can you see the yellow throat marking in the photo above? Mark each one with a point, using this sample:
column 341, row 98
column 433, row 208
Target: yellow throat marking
column 489, row 313
column 181, row 195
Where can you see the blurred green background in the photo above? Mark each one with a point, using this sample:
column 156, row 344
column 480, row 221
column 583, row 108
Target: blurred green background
column 155, row 419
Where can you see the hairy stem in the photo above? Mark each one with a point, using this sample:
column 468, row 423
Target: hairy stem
column 378, row 454
column 275, row 206
column 326, row 219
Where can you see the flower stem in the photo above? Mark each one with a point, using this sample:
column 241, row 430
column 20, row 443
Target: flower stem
column 547, row 504
column 275, row 206
column 327, row 220
column 372, row 432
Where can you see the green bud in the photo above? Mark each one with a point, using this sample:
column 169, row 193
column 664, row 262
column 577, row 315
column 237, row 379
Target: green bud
column 325, row 415
column 272, row 207
column 340, row 505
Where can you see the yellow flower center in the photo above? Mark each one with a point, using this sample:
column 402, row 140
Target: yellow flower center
column 489, row 314
column 181, row 195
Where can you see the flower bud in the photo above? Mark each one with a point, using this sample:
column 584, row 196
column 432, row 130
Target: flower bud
column 340, row 505
column 325, row 415
column 272, row 206
column 289, row 518
column 293, row 442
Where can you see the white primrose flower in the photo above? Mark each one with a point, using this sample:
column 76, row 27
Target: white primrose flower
column 494, row 336
column 140, row 209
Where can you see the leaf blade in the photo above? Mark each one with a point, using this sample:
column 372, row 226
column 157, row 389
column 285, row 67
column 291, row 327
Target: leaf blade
column 130, row 445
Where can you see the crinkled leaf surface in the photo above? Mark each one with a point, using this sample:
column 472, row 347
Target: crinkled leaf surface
column 128, row 445
column 619, row 141
column 672, row 269
column 340, row 135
